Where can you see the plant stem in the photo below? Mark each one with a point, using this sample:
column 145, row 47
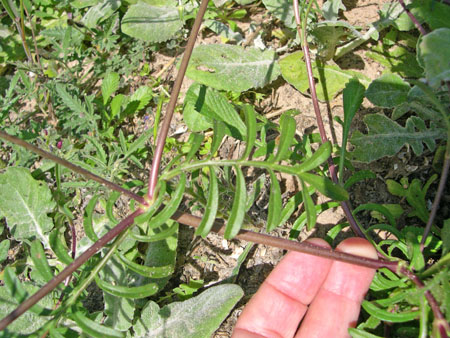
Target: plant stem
column 73, row 167
column 68, row 270
column 153, row 175
column 312, row 86
column 397, row 267
column 413, row 18
column 286, row 244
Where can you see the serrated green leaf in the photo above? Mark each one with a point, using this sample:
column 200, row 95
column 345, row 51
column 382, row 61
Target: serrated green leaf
column 171, row 206
column 238, row 209
column 293, row 70
column 275, row 203
column 317, row 158
column 230, row 67
column 211, row 206
column 151, row 23
column 143, row 95
column 109, row 85
column 196, row 317
column 40, row 260
column 70, row 101
column 100, row 12
column 94, row 329
column 133, row 292
column 386, row 137
column 388, row 91
column 25, row 203
column 282, row 10
column 435, row 57
column 287, row 133
column 325, row 186
column 311, row 216
column 250, row 122
column 215, row 105
column 116, row 104
column 388, row 316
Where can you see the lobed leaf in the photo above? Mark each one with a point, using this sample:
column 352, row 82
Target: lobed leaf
column 238, row 209
column 234, row 68
column 386, row 137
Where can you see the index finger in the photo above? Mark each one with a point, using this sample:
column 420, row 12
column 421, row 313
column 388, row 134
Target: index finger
column 282, row 300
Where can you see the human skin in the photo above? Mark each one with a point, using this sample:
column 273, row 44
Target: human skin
column 322, row 295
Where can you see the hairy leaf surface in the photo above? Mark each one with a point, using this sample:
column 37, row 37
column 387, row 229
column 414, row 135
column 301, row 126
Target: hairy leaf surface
column 386, row 137
column 228, row 67
column 199, row 316
column 25, row 203
column 388, row 91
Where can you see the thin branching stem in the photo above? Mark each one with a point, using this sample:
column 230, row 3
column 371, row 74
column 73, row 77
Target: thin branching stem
column 72, row 267
column 87, row 174
column 154, row 170
column 312, row 86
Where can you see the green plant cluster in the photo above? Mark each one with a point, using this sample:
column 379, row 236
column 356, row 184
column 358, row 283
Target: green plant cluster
column 77, row 82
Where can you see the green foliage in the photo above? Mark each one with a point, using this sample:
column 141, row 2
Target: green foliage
column 91, row 99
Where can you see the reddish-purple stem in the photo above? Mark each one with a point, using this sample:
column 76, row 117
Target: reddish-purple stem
column 154, row 171
column 72, row 167
column 413, row 18
column 312, row 86
column 69, row 269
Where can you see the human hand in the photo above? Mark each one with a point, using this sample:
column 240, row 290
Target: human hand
column 328, row 292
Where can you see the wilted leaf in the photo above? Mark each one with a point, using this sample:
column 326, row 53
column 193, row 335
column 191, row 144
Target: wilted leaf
column 199, row 316
column 332, row 78
column 434, row 53
column 25, row 203
column 234, row 68
column 151, row 23
column 388, row 91
column 386, row 137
